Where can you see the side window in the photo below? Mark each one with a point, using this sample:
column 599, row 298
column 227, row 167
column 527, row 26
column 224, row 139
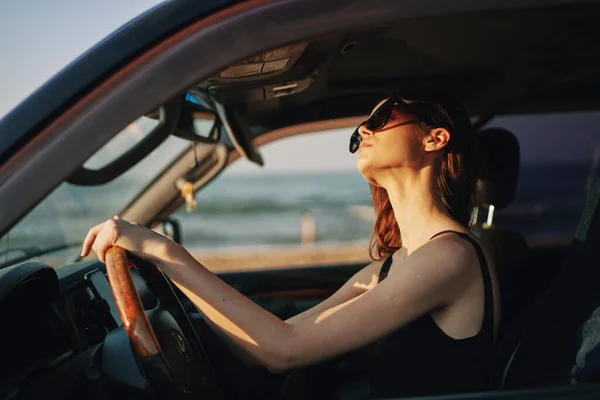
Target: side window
column 57, row 225
column 309, row 205
column 307, row 199
column 556, row 175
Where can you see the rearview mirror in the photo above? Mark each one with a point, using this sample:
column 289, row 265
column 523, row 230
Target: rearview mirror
column 197, row 122
column 205, row 126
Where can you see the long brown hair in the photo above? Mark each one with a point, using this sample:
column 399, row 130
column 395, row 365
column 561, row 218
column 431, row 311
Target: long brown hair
column 456, row 171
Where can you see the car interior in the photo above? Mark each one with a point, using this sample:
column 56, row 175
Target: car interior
column 67, row 339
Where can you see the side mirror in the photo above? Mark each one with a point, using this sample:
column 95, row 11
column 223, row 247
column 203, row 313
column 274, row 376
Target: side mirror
column 171, row 228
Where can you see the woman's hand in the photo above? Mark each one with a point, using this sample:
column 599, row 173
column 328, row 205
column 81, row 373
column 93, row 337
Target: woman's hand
column 138, row 240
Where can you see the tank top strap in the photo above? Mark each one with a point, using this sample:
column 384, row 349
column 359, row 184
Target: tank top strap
column 444, row 232
column 385, row 268
column 488, row 294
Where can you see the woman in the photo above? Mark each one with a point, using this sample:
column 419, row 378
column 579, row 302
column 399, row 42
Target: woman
column 427, row 305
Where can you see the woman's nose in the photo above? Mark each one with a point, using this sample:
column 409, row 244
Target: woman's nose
column 364, row 132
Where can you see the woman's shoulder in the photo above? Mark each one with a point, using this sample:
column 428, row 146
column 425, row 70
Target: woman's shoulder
column 449, row 253
column 460, row 243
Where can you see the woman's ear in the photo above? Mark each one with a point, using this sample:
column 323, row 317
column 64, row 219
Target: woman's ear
column 437, row 139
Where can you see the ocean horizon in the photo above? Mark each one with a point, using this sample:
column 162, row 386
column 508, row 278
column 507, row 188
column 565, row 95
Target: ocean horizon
column 265, row 210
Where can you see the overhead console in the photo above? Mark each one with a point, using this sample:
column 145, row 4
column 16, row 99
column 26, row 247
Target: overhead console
column 225, row 87
column 270, row 75
column 262, row 66
column 236, row 95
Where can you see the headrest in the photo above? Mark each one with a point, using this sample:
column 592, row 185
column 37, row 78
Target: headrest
column 499, row 173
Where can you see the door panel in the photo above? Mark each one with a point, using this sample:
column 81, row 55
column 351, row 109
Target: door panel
column 287, row 292
column 255, row 283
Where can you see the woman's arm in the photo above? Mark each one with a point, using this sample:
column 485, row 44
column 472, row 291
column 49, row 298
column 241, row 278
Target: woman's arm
column 433, row 276
column 360, row 282
column 426, row 281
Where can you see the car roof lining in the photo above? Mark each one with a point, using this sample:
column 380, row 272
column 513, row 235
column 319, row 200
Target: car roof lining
column 502, row 62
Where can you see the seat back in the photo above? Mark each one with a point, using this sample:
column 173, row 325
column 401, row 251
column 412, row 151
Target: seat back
column 547, row 350
column 496, row 187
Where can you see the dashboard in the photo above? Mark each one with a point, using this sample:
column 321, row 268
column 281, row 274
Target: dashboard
column 50, row 317
column 31, row 334
column 60, row 337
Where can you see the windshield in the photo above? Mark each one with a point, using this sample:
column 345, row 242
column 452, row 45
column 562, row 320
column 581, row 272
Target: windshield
column 65, row 216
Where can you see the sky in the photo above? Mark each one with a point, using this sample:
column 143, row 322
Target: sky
column 38, row 38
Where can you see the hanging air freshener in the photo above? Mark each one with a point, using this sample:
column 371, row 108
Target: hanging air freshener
column 187, row 192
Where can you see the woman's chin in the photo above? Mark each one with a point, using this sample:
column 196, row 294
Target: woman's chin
column 366, row 170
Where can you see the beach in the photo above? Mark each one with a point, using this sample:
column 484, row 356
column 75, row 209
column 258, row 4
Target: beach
column 293, row 256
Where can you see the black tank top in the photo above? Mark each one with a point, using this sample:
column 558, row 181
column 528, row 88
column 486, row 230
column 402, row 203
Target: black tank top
column 420, row 359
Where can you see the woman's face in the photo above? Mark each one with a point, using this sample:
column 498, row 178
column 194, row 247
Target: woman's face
column 390, row 147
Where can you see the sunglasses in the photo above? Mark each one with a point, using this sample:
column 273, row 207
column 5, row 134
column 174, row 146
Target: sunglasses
column 379, row 119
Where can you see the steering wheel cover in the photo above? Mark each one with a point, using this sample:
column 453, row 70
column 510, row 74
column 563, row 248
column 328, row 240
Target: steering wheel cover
column 174, row 367
column 136, row 323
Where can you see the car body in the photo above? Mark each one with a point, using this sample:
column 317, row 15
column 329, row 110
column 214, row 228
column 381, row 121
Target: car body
column 497, row 56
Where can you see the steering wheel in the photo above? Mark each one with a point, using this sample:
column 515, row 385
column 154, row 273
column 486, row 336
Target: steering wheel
column 167, row 350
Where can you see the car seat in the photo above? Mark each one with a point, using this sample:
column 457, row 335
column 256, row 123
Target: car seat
column 549, row 337
column 496, row 187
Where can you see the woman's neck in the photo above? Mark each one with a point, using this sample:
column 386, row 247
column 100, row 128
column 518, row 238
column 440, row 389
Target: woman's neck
column 418, row 209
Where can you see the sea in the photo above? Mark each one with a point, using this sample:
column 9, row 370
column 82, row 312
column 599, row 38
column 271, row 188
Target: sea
column 250, row 211
column 269, row 210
